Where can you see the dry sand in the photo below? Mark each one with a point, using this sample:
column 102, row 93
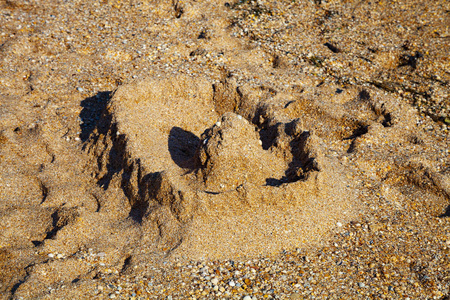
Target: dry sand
column 213, row 149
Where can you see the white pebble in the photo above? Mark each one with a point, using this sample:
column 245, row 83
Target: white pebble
column 339, row 224
column 218, row 123
column 231, row 283
column 59, row 256
column 215, row 281
column 247, row 298
column 51, row 255
column 239, row 117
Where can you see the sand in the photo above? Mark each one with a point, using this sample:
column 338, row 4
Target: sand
column 213, row 149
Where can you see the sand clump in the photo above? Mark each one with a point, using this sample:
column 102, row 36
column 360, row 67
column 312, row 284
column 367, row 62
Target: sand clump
column 225, row 192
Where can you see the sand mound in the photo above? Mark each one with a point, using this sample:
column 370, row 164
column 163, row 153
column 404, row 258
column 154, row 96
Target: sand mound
column 205, row 181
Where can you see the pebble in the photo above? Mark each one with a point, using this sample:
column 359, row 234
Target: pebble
column 231, row 283
column 215, row 281
column 247, row 298
column 295, row 296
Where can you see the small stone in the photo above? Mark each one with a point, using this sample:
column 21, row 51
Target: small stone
column 339, row 224
column 59, row 256
column 215, row 281
column 295, row 296
column 247, row 298
column 51, row 255
column 112, row 296
column 231, row 283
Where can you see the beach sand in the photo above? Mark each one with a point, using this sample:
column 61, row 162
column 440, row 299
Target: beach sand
column 224, row 150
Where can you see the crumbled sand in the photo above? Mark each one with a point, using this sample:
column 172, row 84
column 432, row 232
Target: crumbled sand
column 213, row 149
column 239, row 189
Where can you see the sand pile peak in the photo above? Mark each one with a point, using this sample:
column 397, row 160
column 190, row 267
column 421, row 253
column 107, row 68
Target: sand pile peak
column 231, row 155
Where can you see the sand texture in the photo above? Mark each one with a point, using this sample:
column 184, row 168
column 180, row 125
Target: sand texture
column 224, row 150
